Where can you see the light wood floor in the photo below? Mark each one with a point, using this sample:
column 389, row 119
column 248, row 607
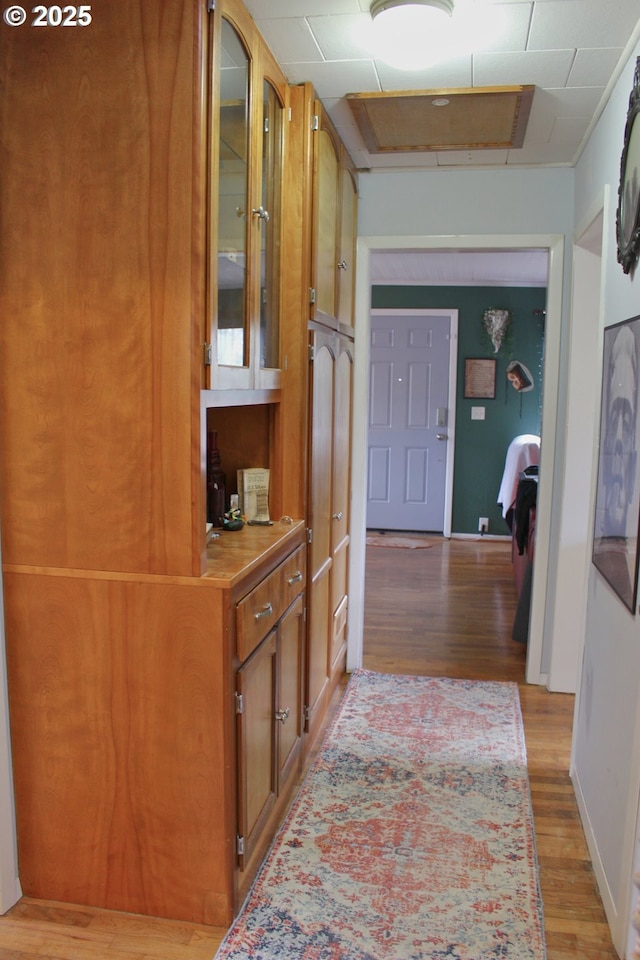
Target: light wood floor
column 442, row 611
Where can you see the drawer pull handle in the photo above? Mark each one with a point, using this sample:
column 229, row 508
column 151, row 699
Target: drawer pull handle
column 296, row 578
column 283, row 715
column 337, row 516
column 266, row 611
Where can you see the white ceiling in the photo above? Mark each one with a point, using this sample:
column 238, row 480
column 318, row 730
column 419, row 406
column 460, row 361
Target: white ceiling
column 569, row 49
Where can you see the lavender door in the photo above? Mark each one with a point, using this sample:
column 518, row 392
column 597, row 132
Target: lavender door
column 408, row 417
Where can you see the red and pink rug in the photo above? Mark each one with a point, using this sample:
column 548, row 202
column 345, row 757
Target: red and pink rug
column 411, row 838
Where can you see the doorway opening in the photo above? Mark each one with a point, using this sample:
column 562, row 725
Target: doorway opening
column 553, row 247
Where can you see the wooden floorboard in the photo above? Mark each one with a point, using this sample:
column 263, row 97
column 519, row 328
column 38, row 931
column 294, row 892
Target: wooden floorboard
column 442, row 611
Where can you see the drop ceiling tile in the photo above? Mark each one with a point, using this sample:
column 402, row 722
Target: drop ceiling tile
column 270, row 9
column 348, row 37
column 580, row 23
column 545, row 154
column 332, row 79
column 511, row 27
column 592, row 68
column 569, row 131
column 452, row 73
column 543, row 68
column 291, row 40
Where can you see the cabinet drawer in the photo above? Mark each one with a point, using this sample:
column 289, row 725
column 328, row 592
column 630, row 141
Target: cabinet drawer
column 261, row 609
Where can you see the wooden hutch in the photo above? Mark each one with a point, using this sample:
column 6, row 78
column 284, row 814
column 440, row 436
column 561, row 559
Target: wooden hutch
column 177, row 236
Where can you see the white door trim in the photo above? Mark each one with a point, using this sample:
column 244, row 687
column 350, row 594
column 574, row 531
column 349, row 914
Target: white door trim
column 537, row 655
column 453, row 373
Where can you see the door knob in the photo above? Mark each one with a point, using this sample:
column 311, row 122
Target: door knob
column 441, row 436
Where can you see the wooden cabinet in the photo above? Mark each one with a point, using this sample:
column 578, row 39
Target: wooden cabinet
column 333, row 217
column 329, row 515
column 138, row 165
column 269, row 707
column 249, row 102
column 123, row 718
column 326, row 267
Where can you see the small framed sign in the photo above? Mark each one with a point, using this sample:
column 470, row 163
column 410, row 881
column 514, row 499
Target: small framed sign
column 479, row 378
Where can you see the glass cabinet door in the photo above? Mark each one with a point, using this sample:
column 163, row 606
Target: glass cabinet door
column 270, row 217
column 233, row 192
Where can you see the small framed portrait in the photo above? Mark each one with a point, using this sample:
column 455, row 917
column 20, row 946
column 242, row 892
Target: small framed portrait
column 628, row 212
column 617, row 511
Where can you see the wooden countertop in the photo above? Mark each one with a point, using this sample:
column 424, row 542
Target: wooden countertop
column 236, row 553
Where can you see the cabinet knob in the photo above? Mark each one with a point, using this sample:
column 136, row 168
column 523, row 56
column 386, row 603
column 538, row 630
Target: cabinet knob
column 261, row 213
column 337, row 516
column 283, row 715
column 296, row 578
column 266, row 611
column 343, row 265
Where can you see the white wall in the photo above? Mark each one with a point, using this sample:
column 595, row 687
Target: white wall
column 606, row 751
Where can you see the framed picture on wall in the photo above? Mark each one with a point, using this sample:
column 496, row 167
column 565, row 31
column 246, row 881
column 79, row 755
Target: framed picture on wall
column 628, row 213
column 617, row 511
column 479, row 378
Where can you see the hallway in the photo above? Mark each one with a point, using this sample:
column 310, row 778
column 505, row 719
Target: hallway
column 448, row 610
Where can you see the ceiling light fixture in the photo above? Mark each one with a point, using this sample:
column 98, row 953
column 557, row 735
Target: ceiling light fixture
column 412, row 34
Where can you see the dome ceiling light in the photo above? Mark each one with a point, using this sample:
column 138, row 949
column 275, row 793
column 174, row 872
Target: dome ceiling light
column 415, row 34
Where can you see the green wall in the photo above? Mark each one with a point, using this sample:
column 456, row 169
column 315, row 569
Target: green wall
column 481, row 445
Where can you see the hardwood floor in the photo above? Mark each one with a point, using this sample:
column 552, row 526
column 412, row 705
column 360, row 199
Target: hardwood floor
column 442, row 611
column 448, row 611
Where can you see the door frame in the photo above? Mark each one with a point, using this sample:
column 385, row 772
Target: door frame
column 451, row 400
column 539, row 647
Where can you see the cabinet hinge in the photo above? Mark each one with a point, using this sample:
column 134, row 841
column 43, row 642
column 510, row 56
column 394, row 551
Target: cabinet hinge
column 211, row 5
column 239, row 703
column 305, row 714
column 240, row 846
column 315, row 122
column 312, row 353
column 312, row 294
column 208, row 354
column 309, row 535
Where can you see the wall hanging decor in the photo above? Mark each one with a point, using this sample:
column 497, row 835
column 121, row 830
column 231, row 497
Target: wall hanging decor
column 496, row 322
column 628, row 213
column 519, row 376
column 617, row 511
column 479, row 378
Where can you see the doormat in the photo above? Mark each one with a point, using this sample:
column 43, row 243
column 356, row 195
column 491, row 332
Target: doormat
column 407, row 542
column 411, row 837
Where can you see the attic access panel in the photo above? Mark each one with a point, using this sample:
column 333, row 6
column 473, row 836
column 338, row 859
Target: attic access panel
column 472, row 118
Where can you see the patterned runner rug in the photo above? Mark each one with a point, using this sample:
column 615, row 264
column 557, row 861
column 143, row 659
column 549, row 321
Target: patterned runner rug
column 411, row 837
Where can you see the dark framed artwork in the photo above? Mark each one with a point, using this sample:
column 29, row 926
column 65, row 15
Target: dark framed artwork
column 479, row 378
column 617, row 511
column 628, row 212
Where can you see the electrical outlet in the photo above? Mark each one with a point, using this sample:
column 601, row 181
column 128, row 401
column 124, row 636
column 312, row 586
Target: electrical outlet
column 483, row 524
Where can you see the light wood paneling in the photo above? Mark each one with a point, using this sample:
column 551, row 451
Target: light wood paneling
column 120, row 712
column 102, row 252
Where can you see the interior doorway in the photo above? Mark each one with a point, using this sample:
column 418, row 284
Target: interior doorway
column 553, row 245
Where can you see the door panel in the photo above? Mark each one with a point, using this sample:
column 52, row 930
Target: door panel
column 407, row 461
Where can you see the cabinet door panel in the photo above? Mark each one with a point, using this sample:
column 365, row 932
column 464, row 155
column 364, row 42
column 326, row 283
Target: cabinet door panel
column 326, row 215
column 347, row 248
column 256, row 743
column 289, row 703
